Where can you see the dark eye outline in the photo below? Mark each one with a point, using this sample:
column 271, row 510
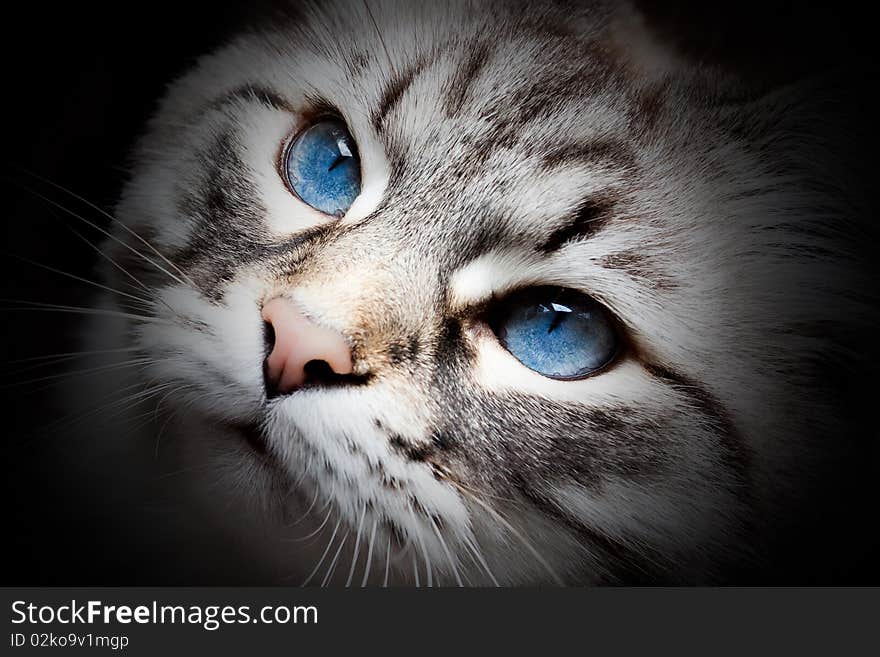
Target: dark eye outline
column 287, row 145
column 497, row 310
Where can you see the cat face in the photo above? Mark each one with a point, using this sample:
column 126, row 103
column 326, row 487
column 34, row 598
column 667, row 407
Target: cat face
column 500, row 161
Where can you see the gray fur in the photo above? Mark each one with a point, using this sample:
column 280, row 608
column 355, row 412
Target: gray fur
column 541, row 141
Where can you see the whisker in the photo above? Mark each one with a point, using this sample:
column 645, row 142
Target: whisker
column 112, row 218
column 302, row 474
column 51, row 360
column 370, row 552
column 159, row 267
column 71, row 354
column 387, row 562
column 314, row 533
column 113, row 262
column 46, row 307
column 134, row 278
column 428, row 570
column 193, row 468
column 478, row 555
column 155, row 413
column 129, row 401
column 332, row 567
column 464, row 575
column 147, row 417
column 85, row 372
column 79, row 278
column 39, row 365
column 326, row 550
column 507, row 500
column 124, row 403
column 308, row 510
column 521, row 538
column 452, row 562
column 75, row 416
column 357, row 545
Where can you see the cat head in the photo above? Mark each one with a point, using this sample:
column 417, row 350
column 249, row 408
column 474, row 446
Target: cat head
column 570, row 275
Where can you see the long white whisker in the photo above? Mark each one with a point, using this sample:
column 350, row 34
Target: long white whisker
column 130, row 400
column 326, row 550
column 387, row 562
column 101, row 253
column 148, row 417
column 464, row 576
column 36, row 366
column 75, row 417
column 193, row 468
column 452, row 562
column 303, row 473
column 76, row 373
column 478, row 555
column 71, row 354
column 155, row 413
column 357, row 545
column 46, row 199
column 308, row 510
column 114, row 220
column 370, row 552
column 81, row 279
column 316, row 532
column 45, row 307
column 37, row 362
column 429, row 574
column 134, row 278
column 500, row 519
column 332, row 567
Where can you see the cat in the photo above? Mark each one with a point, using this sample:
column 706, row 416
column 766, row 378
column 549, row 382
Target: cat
column 473, row 293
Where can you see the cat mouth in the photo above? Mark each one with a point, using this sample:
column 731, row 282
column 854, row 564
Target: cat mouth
column 318, row 374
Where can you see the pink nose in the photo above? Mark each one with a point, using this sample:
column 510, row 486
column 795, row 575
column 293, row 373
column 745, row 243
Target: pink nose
column 299, row 342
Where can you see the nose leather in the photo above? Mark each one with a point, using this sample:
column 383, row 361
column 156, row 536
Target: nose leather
column 299, row 341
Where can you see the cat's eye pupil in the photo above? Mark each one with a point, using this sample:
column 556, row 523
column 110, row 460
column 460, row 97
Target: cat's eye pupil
column 323, row 168
column 560, row 333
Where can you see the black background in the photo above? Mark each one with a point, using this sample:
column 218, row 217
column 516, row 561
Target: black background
column 80, row 80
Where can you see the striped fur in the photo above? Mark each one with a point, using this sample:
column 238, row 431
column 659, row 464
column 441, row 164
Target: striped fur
column 503, row 145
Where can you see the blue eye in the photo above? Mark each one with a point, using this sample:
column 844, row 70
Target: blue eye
column 323, row 167
column 557, row 332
